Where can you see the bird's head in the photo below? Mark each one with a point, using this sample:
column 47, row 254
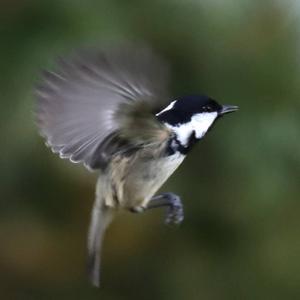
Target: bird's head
column 192, row 116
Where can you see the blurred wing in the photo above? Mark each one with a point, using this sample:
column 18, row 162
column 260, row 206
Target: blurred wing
column 96, row 93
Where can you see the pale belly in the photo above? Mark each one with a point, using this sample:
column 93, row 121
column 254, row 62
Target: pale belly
column 146, row 178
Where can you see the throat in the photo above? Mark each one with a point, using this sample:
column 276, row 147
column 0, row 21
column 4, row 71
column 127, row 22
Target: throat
column 188, row 133
column 175, row 145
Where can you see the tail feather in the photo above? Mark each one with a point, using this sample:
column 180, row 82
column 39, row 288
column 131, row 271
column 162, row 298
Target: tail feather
column 100, row 219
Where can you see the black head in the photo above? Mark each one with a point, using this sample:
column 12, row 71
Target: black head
column 184, row 108
column 191, row 117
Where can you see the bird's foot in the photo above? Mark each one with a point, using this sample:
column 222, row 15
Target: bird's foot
column 174, row 213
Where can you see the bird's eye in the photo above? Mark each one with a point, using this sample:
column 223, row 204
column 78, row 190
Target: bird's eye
column 207, row 108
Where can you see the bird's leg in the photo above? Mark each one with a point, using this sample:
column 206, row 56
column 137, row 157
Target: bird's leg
column 173, row 204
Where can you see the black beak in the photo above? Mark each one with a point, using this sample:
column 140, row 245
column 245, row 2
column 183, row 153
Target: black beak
column 228, row 109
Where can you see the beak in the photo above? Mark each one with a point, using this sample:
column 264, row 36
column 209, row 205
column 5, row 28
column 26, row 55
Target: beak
column 228, row 109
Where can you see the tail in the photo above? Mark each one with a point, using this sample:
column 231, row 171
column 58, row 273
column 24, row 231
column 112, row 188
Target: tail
column 100, row 219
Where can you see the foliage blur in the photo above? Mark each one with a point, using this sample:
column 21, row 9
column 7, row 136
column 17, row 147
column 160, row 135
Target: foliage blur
column 241, row 235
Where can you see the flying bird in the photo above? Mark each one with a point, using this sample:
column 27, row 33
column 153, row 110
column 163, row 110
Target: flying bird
column 110, row 109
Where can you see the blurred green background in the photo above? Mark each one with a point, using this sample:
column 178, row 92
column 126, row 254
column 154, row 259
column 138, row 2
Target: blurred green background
column 241, row 235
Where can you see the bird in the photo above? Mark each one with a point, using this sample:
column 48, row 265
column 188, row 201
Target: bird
column 109, row 107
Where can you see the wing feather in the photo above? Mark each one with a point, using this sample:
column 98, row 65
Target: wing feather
column 97, row 92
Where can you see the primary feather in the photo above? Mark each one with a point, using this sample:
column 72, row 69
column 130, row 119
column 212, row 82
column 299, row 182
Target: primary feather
column 98, row 94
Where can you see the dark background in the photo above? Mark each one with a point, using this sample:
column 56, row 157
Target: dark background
column 241, row 235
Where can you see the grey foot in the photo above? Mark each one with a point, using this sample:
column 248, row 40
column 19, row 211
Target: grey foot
column 174, row 213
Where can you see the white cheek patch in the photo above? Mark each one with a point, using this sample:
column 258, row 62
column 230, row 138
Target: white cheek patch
column 199, row 124
column 202, row 122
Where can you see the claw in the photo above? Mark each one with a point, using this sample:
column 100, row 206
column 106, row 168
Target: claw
column 174, row 212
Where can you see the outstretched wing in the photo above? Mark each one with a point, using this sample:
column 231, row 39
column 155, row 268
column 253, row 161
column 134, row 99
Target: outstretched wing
column 97, row 94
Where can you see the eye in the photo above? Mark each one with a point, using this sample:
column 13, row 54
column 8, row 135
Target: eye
column 207, row 108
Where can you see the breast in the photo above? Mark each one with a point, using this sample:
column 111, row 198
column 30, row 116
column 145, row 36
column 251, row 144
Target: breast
column 147, row 176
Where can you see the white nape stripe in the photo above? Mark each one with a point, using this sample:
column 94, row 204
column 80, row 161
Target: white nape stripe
column 199, row 124
column 170, row 106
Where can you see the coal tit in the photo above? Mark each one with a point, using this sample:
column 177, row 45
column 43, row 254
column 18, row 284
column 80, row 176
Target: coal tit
column 110, row 109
